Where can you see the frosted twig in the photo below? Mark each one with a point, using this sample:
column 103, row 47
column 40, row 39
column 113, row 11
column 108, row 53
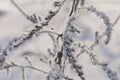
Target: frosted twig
column 17, row 41
column 69, row 47
column 20, row 66
column 32, row 18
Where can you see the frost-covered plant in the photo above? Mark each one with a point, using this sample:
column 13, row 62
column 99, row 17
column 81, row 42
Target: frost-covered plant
column 67, row 45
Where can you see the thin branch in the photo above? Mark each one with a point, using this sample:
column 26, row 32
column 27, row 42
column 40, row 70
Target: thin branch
column 23, row 73
column 118, row 18
column 76, row 5
column 46, row 31
column 26, row 15
column 20, row 66
column 17, row 41
column 28, row 61
column 72, row 8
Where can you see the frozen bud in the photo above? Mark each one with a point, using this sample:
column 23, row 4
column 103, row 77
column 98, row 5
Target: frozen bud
column 92, row 9
column 109, row 71
column 57, row 3
column 106, row 41
column 114, row 73
column 104, row 64
column 102, row 15
column 104, row 68
column 51, row 12
column 97, row 13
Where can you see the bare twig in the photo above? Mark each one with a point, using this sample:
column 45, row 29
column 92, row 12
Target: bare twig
column 116, row 21
column 72, row 8
column 26, row 15
column 20, row 66
column 23, row 73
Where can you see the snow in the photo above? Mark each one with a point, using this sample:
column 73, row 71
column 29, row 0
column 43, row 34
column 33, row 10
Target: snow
column 13, row 23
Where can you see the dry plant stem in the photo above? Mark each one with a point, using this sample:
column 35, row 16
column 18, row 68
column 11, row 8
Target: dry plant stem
column 29, row 35
column 20, row 66
column 111, row 74
column 26, row 15
column 28, row 61
column 55, row 12
column 32, row 18
column 116, row 21
column 99, row 38
column 49, row 32
column 74, row 7
column 23, row 73
column 67, row 50
column 106, row 21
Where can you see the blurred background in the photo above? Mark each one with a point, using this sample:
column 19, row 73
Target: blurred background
column 13, row 23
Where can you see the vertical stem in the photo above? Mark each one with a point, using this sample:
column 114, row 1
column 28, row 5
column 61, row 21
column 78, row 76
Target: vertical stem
column 72, row 8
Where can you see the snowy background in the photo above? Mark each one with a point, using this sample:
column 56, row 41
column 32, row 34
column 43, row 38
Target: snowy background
column 13, row 23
